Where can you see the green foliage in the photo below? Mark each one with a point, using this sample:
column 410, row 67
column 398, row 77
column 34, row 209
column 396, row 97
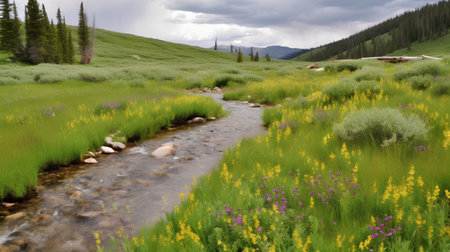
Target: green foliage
column 368, row 73
column 348, row 88
column 387, row 126
column 226, row 79
column 441, row 87
column 343, row 66
column 421, row 82
column 83, row 35
column 426, row 67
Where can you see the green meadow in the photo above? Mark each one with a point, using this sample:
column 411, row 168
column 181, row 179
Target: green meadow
column 355, row 157
column 351, row 161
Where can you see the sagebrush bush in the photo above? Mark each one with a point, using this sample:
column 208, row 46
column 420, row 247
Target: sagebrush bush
column 419, row 68
column 385, row 126
column 194, row 82
column 441, row 87
column 421, row 82
column 348, row 88
column 225, row 80
column 343, row 66
column 368, row 73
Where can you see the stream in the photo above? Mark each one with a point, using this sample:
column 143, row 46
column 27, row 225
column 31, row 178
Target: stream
column 68, row 207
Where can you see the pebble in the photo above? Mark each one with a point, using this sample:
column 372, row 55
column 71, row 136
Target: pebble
column 106, row 150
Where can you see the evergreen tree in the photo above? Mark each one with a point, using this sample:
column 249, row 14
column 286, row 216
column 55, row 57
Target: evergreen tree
column 256, row 58
column 215, row 45
column 267, row 57
column 62, row 38
column 33, row 26
column 239, row 56
column 5, row 25
column 251, row 53
column 83, row 35
column 47, row 55
column 18, row 48
column 53, row 44
column 231, row 48
column 70, row 49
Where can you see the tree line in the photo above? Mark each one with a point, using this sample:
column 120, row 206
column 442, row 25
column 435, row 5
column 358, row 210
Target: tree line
column 45, row 42
column 428, row 22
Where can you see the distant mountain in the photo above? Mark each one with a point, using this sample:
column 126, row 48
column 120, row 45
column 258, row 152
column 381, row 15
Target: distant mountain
column 276, row 52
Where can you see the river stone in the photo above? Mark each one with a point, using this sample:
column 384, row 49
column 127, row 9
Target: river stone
column 91, row 214
column 211, row 118
column 106, row 150
column 254, row 105
column 19, row 242
column 108, row 140
column 144, row 182
column 90, row 161
column 9, row 204
column 164, row 150
column 15, row 216
column 118, row 145
column 198, row 120
column 76, row 195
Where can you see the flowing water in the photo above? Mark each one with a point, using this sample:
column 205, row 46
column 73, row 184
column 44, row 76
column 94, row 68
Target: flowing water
column 68, row 207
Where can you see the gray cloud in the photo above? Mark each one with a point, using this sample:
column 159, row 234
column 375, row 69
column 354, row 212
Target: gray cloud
column 296, row 23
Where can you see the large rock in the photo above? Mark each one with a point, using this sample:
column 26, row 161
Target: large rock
column 165, row 150
column 118, row 145
column 106, row 150
column 114, row 145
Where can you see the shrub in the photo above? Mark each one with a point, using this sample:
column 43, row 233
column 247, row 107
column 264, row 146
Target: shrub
column 92, row 76
column 421, row 82
column 343, row 66
column 385, row 126
column 224, row 80
column 419, row 68
column 194, row 82
column 348, row 88
column 368, row 73
column 441, row 87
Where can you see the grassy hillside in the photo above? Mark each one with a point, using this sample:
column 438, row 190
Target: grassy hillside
column 439, row 47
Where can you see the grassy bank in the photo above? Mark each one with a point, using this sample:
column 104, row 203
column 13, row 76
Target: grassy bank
column 48, row 124
column 354, row 162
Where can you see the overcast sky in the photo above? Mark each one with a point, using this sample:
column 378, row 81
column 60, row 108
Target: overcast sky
column 294, row 23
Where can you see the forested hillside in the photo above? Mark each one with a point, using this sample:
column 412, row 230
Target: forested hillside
column 428, row 22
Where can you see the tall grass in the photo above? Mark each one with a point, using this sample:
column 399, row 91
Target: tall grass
column 46, row 124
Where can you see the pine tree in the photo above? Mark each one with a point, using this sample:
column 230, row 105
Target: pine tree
column 70, row 49
column 239, row 56
column 62, row 37
column 256, row 58
column 53, row 44
column 231, row 48
column 33, row 26
column 267, row 57
column 83, row 35
column 5, row 25
column 47, row 52
column 18, row 48
column 215, row 45
column 251, row 53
